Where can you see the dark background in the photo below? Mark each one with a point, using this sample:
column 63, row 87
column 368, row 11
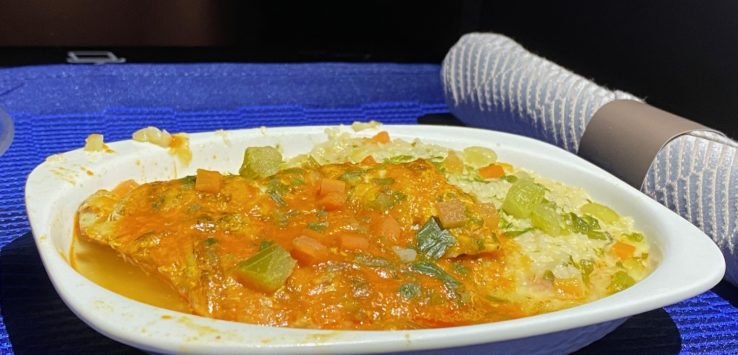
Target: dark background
column 680, row 55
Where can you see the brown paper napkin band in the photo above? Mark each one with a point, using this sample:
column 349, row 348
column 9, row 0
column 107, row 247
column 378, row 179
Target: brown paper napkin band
column 624, row 136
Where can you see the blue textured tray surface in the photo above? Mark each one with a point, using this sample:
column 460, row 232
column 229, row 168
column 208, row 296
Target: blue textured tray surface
column 55, row 107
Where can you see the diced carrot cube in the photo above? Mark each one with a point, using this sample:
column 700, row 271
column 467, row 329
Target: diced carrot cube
column 453, row 163
column 369, row 160
column 125, row 187
column 451, row 213
column 489, row 215
column 492, row 171
column 309, row 251
column 623, row 250
column 332, row 185
column 381, row 137
column 353, row 241
column 208, row 181
column 388, row 227
column 332, row 201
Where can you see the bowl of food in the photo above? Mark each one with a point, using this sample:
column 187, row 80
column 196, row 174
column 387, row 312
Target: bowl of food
column 357, row 239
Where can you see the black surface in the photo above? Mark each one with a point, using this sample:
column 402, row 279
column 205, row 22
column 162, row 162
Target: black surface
column 37, row 320
column 680, row 55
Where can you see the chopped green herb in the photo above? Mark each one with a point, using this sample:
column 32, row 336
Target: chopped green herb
column 188, row 181
column 210, row 241
column 599, row 235
column 399, row 159
column 548, row 275
column 635, row 236
column 265, row 244
column 515, row 233
column 620, row 281
column 460, row 269
column 317, row 226
column 496, row 299
column 582, row 225
column 383, row 181
column 510, row 178
column 409, row 290
column 371, row 261
column 432, row 240
column 431, row 269
column 352, row 177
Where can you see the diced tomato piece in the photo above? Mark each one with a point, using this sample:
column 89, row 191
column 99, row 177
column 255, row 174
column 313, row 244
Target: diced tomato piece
column 309, row 251
column 453, row 163
column 381, row 137
column 332, row 201
column 369, row 160
column 353, row 241
column 489, row 215
column 492, row 171
column 208, row 181
column 388, row 227
column 125, row 187
column 623, row 250
column 332, row 185
column 451, row 213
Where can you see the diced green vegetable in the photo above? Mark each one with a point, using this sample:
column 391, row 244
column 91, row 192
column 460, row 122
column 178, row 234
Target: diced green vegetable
column 601, row 212
column 635, row 236
column 399, row 159
column 371, row 261
column 620, row 281
column 352, row 177
column 460, row 269
column 581, row 225
column 496, row 299
column 598, row 235
column 267, row 270
column 409, row 290
column 515, row 233
column 432, row 240
column 523, row 197
column 383, row 181
column 549, row 276
column 210, row 241
column 260, row 162
column 585, row 266
column 510, row 178
column 479, row 157
column 265, row 244
column 317, row 226
column 545, row 218
column 430, row 269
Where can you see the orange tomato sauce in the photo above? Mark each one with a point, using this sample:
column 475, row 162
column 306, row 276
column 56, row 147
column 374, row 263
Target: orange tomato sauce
column 178, row 248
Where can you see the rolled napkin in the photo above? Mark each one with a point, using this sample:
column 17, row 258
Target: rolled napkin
column 491, row 81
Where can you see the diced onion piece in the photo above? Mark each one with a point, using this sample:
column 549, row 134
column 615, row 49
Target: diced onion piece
column 153, row 135
column 407, row 255
column 94, row 143
column 479, row 157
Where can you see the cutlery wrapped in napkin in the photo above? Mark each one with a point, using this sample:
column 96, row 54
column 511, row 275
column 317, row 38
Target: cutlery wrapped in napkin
column 491, row 81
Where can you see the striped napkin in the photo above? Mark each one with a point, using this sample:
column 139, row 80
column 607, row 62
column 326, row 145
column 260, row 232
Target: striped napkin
column 493, row 82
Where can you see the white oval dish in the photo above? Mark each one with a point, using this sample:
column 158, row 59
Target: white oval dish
column 690, row 263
